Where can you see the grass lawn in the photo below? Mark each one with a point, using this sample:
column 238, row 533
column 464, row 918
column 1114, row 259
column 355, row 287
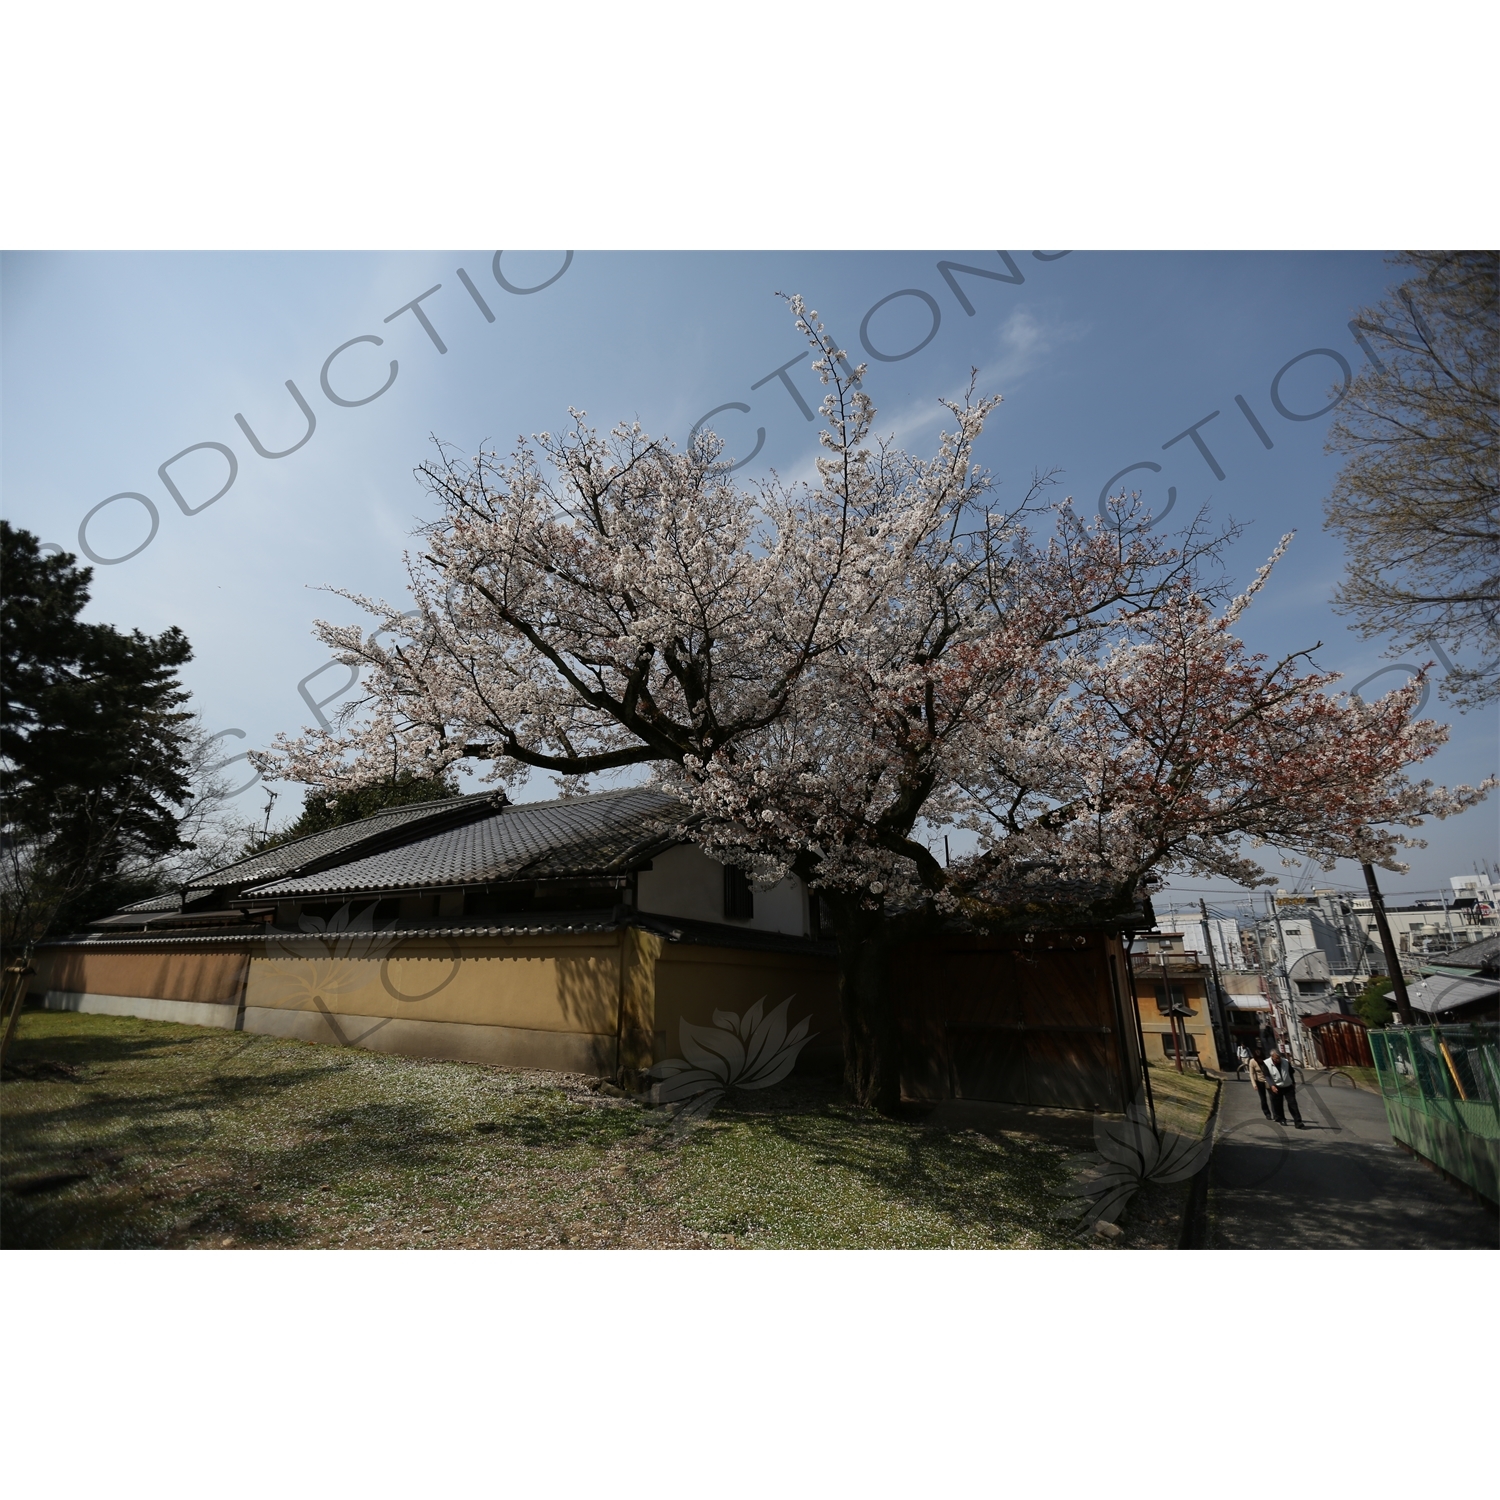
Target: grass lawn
column 1153, row 1218
column 120, row 1133
column 1183, row 1100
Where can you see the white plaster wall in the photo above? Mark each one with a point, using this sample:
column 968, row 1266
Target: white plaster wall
column 783, row 908
column 685, row 882
column 145, row 1008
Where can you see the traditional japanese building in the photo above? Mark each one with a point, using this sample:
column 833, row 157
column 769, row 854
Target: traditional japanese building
column 591, row 934
column 572, row 935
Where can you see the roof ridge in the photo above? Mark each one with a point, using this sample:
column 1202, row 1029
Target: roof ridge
column 383, row 812
column 617, row 791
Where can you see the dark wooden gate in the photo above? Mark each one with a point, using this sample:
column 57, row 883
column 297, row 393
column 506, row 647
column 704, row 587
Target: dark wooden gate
column 1341, row 1041
column 1043, row 1023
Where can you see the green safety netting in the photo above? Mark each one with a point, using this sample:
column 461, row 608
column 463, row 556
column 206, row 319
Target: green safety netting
column 1441, row 1086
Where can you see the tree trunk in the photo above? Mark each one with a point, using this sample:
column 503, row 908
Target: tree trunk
column 872, row 1042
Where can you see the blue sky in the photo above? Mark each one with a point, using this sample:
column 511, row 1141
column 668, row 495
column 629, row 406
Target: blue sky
column 115, row 362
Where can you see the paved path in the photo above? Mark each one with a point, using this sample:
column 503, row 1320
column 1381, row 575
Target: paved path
column 1341, row 1184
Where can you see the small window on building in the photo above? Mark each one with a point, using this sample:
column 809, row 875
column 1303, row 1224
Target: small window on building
column 739, row 898
column 1170, row 997
column 1189, row 1044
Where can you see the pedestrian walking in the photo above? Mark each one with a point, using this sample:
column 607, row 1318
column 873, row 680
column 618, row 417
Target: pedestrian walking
column 1283, row 1085
column 1242, row 1055
column 1258, row 1078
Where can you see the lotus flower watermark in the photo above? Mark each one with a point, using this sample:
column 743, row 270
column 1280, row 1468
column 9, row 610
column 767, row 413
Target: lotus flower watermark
column 330, row 960
column 752, row 1051
column 1130, row 1153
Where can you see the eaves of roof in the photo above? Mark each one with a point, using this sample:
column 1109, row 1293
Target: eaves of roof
column 155, row 937
column 538, row 924
column 1447, row 993
column 527, row 925
column 147, row 921
column 169, row 902
column 725, row 935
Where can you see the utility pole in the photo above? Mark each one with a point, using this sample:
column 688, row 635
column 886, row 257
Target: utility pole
column 1388, row 946
column 1221, row 1040
column 1128, row 942
column 1179, row 1025
column 1289, row 1019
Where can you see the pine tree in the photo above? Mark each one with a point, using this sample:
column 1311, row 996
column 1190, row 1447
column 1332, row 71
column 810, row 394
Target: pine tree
column 93, row 770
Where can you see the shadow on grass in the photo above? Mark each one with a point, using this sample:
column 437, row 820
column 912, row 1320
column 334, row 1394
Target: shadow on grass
column 117, row 1137
column 43, row 1035
column 1001, row 1186
column 115, row 1132
column 127, row 1133
column 549, row 1119
column 161, row 1185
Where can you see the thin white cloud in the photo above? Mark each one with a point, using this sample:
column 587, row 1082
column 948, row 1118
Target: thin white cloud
column 1023, row 343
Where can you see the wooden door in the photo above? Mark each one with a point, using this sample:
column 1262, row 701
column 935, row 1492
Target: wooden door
column 1014, row 1026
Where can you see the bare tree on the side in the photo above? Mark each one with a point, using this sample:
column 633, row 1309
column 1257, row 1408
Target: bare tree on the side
column 1418, row 500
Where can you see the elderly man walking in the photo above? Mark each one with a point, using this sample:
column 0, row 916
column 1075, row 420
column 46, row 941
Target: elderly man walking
column 1257, row 1068
column 1283, row 1086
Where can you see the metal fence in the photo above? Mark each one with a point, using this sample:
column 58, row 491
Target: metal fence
column 1441, row 1086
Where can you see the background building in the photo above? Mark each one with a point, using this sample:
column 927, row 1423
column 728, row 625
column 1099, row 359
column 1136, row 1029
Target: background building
column 1315, row 946
column 1430, row 928
column 1222, row 932
column 1172, row 990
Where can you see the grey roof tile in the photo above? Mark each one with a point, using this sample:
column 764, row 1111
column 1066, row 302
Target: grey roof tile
column 1472, row 955
column 571, row 837
column 170, row 902
column 287, row 859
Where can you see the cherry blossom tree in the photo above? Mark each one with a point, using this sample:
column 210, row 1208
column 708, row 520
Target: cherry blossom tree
column 820, row 670
column 1173, row 747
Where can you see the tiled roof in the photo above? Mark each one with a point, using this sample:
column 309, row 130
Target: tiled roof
column 1474, row 955
column 170, row 902
column 315, row 848
column 577, row 836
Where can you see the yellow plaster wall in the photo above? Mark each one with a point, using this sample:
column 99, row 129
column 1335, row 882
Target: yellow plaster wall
column 553, row 1002
column 558, row 983
column 640, row 953
column 692, row 982
column 204, row 973
column 1156, row 1025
